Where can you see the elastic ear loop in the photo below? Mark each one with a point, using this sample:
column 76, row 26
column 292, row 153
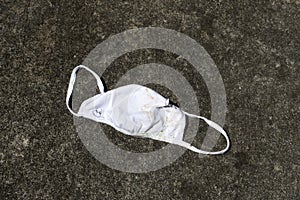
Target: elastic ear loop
column 72, row 82
column 213, row 125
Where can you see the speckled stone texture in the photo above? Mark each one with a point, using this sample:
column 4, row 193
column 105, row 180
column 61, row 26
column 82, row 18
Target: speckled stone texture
column 255, row 45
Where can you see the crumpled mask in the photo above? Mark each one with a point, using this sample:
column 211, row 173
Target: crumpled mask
column 139, row 111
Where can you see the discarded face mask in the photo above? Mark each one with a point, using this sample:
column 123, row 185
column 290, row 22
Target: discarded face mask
column 139, row 111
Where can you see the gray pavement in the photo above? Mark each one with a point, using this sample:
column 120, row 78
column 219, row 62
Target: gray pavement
column 255, row 45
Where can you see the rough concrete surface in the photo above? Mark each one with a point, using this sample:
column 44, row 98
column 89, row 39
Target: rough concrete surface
column 255, row 45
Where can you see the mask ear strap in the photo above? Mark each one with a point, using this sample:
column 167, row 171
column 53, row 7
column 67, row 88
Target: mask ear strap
column 72, row 81
column 213, row 125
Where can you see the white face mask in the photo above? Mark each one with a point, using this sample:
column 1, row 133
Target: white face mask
column 138, row 111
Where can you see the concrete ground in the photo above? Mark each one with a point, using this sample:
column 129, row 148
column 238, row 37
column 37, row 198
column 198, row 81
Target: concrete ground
column 255, row 45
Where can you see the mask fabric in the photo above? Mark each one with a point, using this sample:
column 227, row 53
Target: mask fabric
column 136, row 110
